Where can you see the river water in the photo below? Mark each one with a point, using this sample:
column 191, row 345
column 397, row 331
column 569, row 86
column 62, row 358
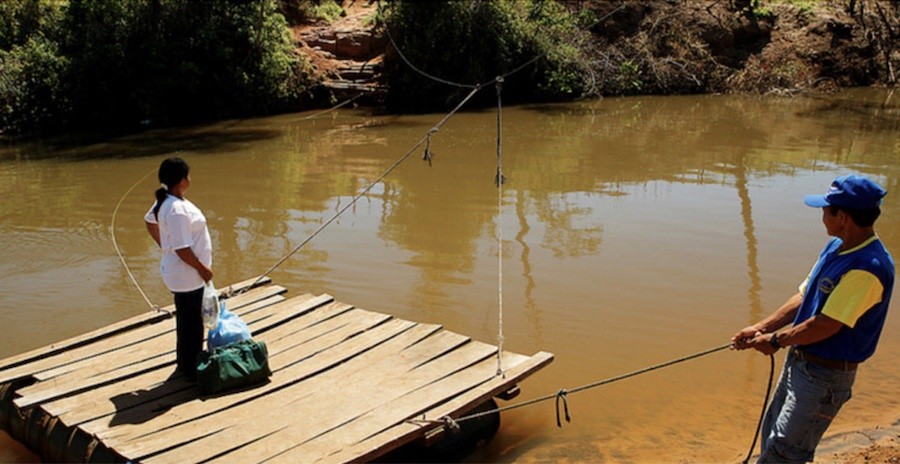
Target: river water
column 633, row 231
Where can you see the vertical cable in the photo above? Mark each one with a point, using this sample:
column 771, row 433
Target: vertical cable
column 499, row 180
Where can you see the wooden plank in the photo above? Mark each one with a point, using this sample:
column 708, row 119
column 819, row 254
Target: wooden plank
column 58, row 348
column 148, row 317
column 352, row 377
column 405, row 432
column 276, row 316
column 55, row 364
column 106, row 400
column 91, row 365
column 97, row 403
column 247, row 302
column 326, row 408
column 338, row 330
column 137, row 446
column 148, row 355
column 111, row 342
column 244, row 302
column 388, row 415
column 298, row 330
column 197, row 410
column 244, row 285
column 210, row 405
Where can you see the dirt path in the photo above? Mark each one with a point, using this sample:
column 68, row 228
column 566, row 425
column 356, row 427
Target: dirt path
column 347, row 54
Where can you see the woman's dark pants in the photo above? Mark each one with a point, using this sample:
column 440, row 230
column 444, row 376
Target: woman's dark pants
column 189, row 331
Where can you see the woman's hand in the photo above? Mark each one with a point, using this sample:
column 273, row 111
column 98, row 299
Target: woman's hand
column 187, row 255
column 205, row 273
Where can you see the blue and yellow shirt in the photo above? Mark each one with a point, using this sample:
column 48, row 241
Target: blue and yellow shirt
column 853, row 287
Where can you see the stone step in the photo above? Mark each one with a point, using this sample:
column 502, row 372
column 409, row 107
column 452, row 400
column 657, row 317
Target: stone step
column 367, row 87
column 357, row 45
column 355, row 71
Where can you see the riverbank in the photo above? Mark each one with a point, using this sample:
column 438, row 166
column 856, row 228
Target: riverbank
column 880, row 444
column 661, row 47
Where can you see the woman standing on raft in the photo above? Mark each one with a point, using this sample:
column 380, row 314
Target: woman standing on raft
column 179, row 228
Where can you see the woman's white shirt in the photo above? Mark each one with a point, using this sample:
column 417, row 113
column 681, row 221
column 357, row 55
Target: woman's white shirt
column 181, row 225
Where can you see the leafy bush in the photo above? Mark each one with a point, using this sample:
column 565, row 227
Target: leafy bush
column 115, row 63
column 21, row 19
column 474, row 42
column 32, row 91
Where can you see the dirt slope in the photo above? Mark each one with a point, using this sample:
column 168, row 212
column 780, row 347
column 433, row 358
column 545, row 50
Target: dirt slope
column 676, row 46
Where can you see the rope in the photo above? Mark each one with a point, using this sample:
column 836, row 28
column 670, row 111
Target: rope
column 414, row 68
column 562, row 396
column 451, row 424
column 762, row 414
column 112, row 229
column 499, row 180
column 335, row 107
column 460, row 84
column 592, row 385
column 369, row 187
column 112, row 233
column 464, row 85
column 426, row 140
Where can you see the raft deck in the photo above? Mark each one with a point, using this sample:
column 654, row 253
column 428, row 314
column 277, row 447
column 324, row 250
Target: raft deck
column 347, row 385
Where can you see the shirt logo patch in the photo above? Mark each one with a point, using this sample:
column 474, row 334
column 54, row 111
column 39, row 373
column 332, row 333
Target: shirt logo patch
column 826, row 285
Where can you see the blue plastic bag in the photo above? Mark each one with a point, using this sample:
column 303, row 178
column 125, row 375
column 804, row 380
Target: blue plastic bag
column 229, row 329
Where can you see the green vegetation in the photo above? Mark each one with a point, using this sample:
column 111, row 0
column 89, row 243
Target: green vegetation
column 111, row 64
column 328, row 10
column 763, row 8
column 474, row 42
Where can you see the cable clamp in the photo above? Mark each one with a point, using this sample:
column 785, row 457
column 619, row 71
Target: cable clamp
column 562, row 394
column 428, row 153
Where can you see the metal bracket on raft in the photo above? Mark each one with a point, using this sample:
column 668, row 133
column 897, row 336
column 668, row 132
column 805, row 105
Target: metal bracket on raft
column 510, row 394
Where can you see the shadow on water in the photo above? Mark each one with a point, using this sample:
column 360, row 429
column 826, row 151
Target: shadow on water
column 88, row 147
column 878, row 116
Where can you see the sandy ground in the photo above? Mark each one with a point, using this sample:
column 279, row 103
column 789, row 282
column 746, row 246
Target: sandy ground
column 878, row 445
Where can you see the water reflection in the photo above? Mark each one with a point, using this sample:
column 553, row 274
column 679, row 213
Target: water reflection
column 634, row 231
column 740, row 176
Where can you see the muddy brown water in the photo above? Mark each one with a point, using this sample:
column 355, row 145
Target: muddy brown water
column 633, row 231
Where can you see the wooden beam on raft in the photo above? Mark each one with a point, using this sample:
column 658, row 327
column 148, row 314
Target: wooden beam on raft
column 366, row 447
column 142, row 319
column 133, row 357
column 347, row 385
column 156, row 384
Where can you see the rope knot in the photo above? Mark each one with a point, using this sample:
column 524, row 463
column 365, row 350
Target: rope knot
column 562, row 395
column 450, row 425
column 157, row 308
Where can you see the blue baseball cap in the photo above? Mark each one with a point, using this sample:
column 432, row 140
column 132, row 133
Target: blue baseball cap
column 851, row 192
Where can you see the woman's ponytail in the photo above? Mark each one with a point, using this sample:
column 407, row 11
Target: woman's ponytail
column 161, row 193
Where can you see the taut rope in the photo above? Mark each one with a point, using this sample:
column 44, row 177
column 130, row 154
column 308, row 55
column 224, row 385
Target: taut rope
column 112, row 234
column 372, row 184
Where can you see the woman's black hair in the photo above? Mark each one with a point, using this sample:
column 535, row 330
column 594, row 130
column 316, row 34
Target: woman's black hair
column 171, row 171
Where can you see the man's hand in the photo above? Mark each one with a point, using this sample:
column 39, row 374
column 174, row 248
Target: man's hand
column 763, row 344
column 742, row 340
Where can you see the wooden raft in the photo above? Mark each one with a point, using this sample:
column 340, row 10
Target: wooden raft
column 347, row 385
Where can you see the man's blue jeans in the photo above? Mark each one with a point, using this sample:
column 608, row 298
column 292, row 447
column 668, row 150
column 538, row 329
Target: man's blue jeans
column 806, row 400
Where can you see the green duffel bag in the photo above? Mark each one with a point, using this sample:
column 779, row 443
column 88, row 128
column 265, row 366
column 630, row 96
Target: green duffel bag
column 235, row 365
